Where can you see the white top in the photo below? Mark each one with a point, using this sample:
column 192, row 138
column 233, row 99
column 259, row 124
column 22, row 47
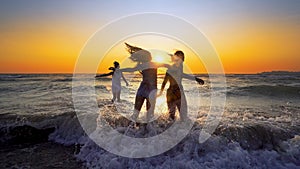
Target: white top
column 116, row 81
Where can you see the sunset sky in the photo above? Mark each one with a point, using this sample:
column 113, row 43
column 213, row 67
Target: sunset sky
column 249, row 36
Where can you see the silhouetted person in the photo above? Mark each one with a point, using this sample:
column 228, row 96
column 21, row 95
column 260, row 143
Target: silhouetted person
column 148, row 87
column 116, row 81
column 175, row 92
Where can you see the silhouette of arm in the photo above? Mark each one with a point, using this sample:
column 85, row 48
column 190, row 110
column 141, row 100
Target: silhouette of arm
column 133, row 69
column 166, row 78
column 124, row 79
column 145, row 66
column 162, row 65
column 106, row 74
column 129, row 69
column 191, row 77
column 164, row 82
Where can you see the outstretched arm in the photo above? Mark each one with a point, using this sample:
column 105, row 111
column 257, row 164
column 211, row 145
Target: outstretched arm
column 128, row 69
column 190, row 77
column 164, row 84
column 162, row 65
column 106, row 74
column 124, row 79
column 133, row 69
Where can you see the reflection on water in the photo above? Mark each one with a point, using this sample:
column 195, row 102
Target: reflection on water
column 260, row 125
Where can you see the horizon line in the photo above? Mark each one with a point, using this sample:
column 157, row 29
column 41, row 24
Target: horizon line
column 262, row 72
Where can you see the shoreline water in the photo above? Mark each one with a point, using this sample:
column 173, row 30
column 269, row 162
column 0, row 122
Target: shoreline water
column 259, row 128
column 231, row 137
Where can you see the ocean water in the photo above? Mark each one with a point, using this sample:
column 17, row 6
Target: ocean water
column 260, row 126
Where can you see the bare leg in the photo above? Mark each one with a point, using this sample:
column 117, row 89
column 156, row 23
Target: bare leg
column 172, row 110
column 151, row 101
column 182, row 107
column 137, row 106
column 118, row 96
column 171, row 104
column 114, row 96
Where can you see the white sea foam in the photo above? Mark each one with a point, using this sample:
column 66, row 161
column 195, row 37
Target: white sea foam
column 219, row 151
column 215, row 153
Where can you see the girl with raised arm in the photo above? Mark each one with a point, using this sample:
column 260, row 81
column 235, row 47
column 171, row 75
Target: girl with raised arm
column 175, row 92
column 148, row 86
column 116, row 81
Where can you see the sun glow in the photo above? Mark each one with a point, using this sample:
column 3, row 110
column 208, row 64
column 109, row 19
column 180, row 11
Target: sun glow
column 158, row 59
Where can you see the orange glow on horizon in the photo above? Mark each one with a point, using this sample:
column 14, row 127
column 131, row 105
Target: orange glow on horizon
column 242, row 52
column 47, row 37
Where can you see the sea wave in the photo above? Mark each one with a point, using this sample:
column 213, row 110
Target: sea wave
column 252, row 144
column 267, row 90
column 216, row 152
column 231, row 146
column 254, row 135
column 222, row 150
column 16, row 129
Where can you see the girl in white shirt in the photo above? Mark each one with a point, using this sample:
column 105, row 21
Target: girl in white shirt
column 116, row 81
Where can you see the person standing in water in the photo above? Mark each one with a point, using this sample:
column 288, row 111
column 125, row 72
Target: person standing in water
column 147, row 90
column 116, row 81
column 175, row 92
